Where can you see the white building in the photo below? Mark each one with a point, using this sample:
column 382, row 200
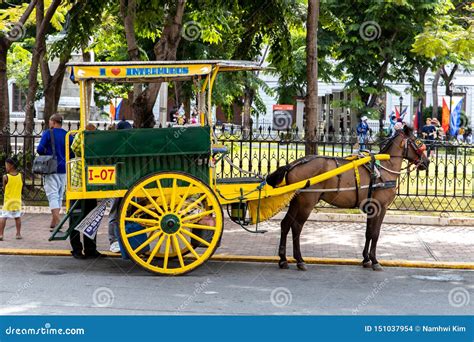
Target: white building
column 463, row 87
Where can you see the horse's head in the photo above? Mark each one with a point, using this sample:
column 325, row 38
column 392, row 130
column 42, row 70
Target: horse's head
column 414, row 150
column 405, row 145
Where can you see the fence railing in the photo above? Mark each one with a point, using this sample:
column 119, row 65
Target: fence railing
column 446, row 186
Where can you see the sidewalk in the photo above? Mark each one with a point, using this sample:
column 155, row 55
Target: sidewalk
column 319, row 239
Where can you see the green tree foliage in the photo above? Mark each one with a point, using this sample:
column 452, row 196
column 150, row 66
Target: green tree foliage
column 449, row 37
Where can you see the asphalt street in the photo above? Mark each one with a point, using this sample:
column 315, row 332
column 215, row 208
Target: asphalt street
column 61, row 285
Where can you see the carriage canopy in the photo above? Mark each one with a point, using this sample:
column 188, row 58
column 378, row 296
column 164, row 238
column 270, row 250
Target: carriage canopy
column 149, row 71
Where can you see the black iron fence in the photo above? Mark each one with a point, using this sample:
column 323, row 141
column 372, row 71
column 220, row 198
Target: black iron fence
column 447, row 185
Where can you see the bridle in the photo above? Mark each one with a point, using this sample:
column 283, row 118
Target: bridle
column 407, row 142
column 417, row 145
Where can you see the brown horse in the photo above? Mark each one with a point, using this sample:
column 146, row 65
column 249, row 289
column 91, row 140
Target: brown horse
column 403, row 145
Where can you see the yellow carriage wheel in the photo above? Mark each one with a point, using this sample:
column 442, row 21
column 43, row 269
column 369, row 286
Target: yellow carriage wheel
column 170, row 213
column 139, row 213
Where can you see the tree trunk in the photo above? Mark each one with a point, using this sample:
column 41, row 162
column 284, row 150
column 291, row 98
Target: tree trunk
column 421, row 81
column 165, row 50
column 5, row 44
column 448, row 77
column 128, row 10
column 52, row 91
column 39, row 52
column 434, row 90
column 311, row 103
column 246, row 110
column 33, row 75
column 4, row 103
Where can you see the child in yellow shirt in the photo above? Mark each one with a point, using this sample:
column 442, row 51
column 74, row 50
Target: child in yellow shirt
column 12, row 186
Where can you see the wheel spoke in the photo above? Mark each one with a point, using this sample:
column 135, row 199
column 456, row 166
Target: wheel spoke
column 155, row 250
column 150, row 198
column 143, row 231
column 167, row 252
column 195, row 237
column 192, row 205
column 148, row 241
column 183, row 199
column 162, row 194
column 198, row 226
column 188, row 245
column 198, row 215
column 177, row 249
column 173, row 195
column 146, row 222
column 146, row 210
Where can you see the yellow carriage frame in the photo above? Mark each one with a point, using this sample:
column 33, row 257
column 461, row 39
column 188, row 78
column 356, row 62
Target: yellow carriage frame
column 168, row 207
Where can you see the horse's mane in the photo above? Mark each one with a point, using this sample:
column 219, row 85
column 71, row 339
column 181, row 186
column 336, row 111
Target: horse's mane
column 386, row 143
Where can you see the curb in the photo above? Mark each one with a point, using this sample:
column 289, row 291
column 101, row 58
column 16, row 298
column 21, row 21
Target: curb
column 267, row 259
column 337, row 217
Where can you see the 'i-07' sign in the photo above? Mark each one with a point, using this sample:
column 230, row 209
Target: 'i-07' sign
column 99, row 175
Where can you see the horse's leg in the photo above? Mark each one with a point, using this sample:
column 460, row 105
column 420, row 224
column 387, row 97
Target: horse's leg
column 375, row 236
column 285, row 228
column 371, row 221
column 296, row 228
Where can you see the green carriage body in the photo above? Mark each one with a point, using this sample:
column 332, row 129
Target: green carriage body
column 136, row 153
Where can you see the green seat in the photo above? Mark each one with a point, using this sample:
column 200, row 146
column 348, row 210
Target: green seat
column 137, row 153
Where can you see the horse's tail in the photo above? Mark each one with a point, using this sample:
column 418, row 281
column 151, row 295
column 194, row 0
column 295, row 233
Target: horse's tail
column 276, row 177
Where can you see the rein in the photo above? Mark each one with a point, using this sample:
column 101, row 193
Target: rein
column 402, row 169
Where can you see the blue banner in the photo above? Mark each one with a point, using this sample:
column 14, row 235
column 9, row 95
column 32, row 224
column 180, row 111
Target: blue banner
column 455, row 119
column 237, row 328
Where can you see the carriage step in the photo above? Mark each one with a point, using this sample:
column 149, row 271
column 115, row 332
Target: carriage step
column 58, row 234
column 61, row 235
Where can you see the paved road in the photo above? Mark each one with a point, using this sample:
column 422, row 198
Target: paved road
column 60, row 285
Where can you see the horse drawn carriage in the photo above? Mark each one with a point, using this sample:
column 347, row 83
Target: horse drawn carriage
column 171, row 215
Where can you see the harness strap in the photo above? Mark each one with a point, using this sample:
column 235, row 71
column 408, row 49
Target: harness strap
column 373, row 176
column 339, row 175
column 357, row 182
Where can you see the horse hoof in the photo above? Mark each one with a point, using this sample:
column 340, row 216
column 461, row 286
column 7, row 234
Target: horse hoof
column 301, row 266
column 377, row 267
column 367, row 264
column 283, row 265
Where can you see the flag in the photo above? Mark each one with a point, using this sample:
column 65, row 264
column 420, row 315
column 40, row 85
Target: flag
column 455, row 119
column 112, row 110
column 115, row 106
column 445, row 116
column 117, row 110
column 400, row 113
column 90, row 224
column 418, row 116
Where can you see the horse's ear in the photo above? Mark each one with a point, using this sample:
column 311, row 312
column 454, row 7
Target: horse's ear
column 407, row 130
